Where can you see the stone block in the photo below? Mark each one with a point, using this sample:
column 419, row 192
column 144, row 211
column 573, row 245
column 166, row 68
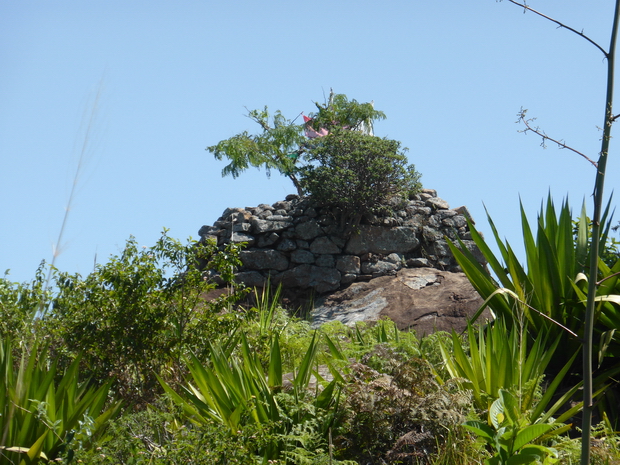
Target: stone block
column 264, row 260
column 324, row 245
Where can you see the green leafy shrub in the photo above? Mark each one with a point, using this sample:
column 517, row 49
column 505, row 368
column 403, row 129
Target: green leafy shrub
column 19, row 305
column 403, row 418
column 355, row 173
column 282, row 143
column 139, row 313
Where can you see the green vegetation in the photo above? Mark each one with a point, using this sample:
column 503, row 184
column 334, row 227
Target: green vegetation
column 355, row 174
column 176, row 378
column 333, row 156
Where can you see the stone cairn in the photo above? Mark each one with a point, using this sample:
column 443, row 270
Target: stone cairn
column 302, row 246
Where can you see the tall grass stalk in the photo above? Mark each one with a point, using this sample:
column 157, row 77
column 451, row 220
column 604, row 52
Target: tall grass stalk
column 83, row 152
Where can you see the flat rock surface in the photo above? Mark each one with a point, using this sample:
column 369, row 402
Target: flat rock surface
column 423, row 299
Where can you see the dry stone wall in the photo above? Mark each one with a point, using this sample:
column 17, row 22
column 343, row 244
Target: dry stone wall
column 302, row 246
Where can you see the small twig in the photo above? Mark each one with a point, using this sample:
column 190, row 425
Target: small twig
column 545, row 137
column 598, row 283
column 562, row 25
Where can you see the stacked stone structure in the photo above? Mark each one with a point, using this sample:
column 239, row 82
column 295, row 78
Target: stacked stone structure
column 303, row 246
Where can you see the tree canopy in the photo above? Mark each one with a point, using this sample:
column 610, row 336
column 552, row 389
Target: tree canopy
column 282, row 142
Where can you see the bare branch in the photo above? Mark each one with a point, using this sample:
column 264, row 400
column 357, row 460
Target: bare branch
column 545, row 137
column 562, row 25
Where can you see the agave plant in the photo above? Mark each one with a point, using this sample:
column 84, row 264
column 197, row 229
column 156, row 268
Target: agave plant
column 233, row 390
column 500, row 359
column 544, row 290
column 42, row 418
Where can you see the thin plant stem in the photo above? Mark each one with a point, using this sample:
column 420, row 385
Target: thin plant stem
column 594, row 249
column 76, row 177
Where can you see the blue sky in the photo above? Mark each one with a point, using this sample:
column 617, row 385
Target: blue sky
column 174, row 77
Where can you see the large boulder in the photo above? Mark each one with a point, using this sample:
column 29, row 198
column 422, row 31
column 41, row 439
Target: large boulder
column 423, row 299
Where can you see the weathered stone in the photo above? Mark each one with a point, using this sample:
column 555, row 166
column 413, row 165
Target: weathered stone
column 418, row 263
column 287, row 245
column 282, row 205
column 241, row 227
column 441, row 248
column 325, row 261
column 229, row 211
column 262, row 226
column 443, row 214
column 310, row 212
column 431, row 192
column 348, row 264
column 465, row 212
column 243, row 237
column 308, row 230
column 299, row 232
column 208, row 231
column 309, row 276
column 424, row 299
column 459, row 221
column 268, row 239
column 250, row 278
column 382, row 240
column 430, row 234
column 302, row 256
column 379, row 268
column 264, row 260
column 394, row 258
column 324, row 245
column 437, row 203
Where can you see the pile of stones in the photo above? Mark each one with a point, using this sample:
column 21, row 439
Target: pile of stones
column 302, row 246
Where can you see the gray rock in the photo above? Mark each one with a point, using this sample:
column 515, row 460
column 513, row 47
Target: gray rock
column 287, row 245
column 262, row 226
column 325, row 261
column 303, row 244
column 309, row 276
column 423, row 299
column 308, row 230
column 348, row 264
column 243, row 237
column 282, row 205
column 379, row 268
column 267, row 240
column 418, row 263
column 264, row 260
column 324, row 245
column 377, row 239
column 302, row 256
column 241, row 227
column 437, row 203
column 430, row 234
column 394, row 258
column 251, row 278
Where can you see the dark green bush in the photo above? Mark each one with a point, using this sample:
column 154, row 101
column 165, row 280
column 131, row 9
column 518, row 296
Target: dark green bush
column 139, row 313
column 355, row 173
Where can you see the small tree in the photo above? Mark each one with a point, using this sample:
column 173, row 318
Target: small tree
column 355, row 173
column 282, row 143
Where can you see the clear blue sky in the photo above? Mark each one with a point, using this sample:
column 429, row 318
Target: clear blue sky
column 175, row 77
